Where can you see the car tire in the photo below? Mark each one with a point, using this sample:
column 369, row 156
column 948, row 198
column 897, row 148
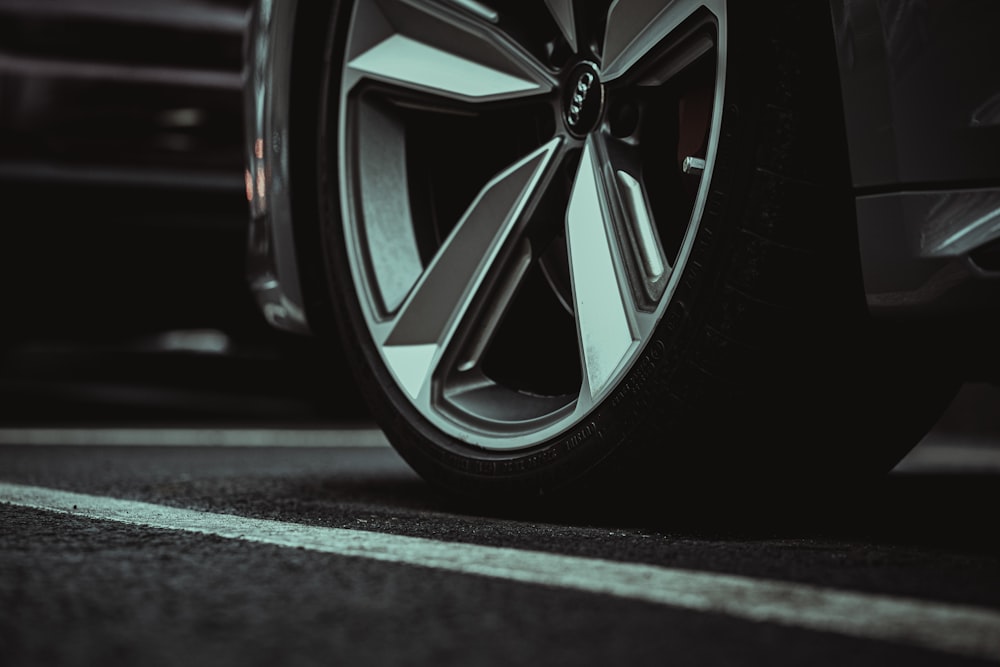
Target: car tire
column 497, row 366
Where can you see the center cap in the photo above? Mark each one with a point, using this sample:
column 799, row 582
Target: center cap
column 584, row 99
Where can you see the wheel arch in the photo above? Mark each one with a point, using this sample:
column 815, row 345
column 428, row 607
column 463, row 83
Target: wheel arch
column 284, row 51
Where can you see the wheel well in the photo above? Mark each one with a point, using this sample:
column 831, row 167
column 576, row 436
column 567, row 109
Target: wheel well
column 309, row 50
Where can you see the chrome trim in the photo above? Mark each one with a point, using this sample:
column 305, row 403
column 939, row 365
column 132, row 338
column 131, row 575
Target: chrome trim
column 272, row 264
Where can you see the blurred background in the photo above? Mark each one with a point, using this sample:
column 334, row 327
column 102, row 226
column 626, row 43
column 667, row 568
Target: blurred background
column 124, row 224
column 124, row 230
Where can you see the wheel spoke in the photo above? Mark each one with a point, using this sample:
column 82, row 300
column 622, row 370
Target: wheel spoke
column 452, row 285
column 384, row 199
column 604, row 311
column 635, row 28
column 453, row 51
column 494, row 304
column 629, row 204
column 562, row 12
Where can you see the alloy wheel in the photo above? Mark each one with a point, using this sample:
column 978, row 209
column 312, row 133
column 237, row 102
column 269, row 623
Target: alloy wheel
column 520, row 190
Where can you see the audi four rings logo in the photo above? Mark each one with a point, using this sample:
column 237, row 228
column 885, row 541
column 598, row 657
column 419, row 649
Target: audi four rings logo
column 579, row 97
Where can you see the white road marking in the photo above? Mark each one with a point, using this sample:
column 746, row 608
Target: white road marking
column 958, row 629
column 194, row 437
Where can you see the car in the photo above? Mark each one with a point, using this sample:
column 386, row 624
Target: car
column 579, row 248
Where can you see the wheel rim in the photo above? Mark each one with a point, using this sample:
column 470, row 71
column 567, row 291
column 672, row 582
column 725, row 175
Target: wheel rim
column 520, row 189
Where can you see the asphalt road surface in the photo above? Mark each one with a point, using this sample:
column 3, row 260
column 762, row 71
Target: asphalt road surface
column 299, row 547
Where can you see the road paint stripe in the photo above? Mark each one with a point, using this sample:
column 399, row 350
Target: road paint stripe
column 952, row 628
column 194, row 437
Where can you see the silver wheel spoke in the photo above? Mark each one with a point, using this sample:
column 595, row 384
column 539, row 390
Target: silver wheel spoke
column 451, row 286
column 562, row 12
column 636, row 209
column 384, row 197
column 636, row 27
column 629, row 205
column 605, row 315
column 496, row 306
column 453, row 51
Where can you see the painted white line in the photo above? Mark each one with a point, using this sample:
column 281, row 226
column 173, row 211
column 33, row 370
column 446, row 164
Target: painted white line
column 194, row 437
column 957, row 629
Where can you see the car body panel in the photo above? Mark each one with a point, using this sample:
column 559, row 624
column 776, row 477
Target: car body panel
column 921, row 87
column 917, row 250
column 273, row 265
column 921, row 90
